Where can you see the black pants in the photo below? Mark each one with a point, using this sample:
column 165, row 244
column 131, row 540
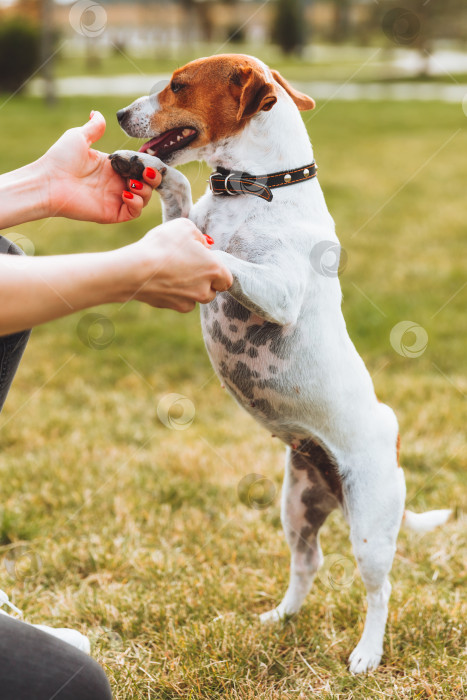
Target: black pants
column 35, row 665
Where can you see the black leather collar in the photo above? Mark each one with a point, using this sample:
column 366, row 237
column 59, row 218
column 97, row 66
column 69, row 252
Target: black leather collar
column 231, row 182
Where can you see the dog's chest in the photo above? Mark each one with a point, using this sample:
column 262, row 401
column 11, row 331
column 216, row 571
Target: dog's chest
column 253, row 357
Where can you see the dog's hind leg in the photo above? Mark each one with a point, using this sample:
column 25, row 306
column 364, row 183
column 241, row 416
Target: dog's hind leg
column 308, row 497
column 374, row 496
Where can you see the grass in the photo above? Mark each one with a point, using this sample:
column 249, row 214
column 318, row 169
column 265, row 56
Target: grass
column 135, row 533
column 320, row 62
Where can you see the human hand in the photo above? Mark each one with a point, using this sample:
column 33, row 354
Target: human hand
column 82, row 184
column 174, row 268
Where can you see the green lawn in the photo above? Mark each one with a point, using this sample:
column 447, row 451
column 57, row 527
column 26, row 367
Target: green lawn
column 320, row 63
column 134, row 532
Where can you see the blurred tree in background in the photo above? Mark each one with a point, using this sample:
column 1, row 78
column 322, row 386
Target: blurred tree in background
column 20, row 42
column 289, row 26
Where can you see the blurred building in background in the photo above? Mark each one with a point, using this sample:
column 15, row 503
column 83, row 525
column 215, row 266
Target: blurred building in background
column 35, row 34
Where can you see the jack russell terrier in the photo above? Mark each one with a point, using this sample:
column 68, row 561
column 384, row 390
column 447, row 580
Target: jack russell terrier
column 277, row 338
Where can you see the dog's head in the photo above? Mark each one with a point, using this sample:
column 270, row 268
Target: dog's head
column 205, row 102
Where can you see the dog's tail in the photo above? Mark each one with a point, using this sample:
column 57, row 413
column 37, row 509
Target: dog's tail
column 424, row 522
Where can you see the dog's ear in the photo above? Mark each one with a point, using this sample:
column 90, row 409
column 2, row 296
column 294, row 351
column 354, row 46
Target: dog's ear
column 255, row 93
column 302, row 101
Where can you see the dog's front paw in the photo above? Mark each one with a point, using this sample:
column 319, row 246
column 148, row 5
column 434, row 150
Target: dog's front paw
column 132, row 164
column 364, row 658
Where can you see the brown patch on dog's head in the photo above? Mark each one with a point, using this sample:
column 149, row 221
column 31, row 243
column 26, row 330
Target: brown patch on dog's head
column 215, row 97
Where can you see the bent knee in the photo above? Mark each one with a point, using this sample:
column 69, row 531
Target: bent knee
column 91, row 683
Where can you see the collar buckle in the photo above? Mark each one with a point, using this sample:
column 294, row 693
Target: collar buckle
column 225, row 184
column 210, row 183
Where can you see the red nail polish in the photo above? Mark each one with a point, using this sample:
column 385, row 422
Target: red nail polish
column 128, row 195
column 92, row 114
column 136, row 185
column 150, row 173
column 209, row 239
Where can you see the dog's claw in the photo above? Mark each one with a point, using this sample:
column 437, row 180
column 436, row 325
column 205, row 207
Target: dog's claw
column 129, row 164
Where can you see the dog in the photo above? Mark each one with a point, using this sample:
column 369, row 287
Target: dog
column 277, row 338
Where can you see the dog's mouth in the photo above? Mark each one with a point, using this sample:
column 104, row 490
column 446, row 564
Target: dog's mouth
column 170, row 141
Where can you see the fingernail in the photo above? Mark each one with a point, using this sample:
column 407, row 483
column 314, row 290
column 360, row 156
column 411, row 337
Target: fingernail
column 209, row 239
column 128, row 195
column 92, row 114
column 136, row 185
column 150, row 173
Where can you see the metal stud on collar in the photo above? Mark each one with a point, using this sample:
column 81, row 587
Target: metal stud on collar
column 306, row 172
column 288, row 177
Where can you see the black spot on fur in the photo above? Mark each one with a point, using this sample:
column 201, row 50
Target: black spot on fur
column 233, row 328
column 252, row 352
column 320, row 467
column 273, row 369
column 236, row 348
column 214, row 305
column 260, row 334
column 242, row 378
column 234, row 310
column 274, row 384
column 265, row 407
column 280, row 348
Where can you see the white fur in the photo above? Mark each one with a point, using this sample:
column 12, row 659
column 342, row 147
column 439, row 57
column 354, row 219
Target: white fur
column 327, row 391
column 425, row 522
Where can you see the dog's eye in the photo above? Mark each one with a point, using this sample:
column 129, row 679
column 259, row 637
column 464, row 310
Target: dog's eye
column 175, row 87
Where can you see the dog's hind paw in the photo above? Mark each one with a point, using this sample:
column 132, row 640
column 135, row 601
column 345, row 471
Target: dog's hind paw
column 132, row 164
column 271, row 617
column 364, row 658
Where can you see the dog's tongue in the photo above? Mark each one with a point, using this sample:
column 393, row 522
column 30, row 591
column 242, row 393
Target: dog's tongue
column 168, row 141
column 151, row 144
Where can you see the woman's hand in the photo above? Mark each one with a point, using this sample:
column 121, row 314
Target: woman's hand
column 171, row 267
column 81, row 183
column 174, row 268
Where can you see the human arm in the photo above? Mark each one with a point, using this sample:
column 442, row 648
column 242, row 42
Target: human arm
column 72, row 180
column 171, row 267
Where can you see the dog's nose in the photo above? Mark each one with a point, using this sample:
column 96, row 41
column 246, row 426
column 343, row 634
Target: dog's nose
column 121, row 114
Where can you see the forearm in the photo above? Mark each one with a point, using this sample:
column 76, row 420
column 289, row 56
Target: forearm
column 36, row 290
column 24, row 195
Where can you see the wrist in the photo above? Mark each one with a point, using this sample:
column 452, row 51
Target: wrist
column 24, row 195
column 129, row 271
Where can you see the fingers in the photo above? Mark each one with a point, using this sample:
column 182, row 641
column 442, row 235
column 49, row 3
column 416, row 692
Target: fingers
column 152, row 177
column 133, row 205
column 94, row 129
column 222, row 281
column 141, row 189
